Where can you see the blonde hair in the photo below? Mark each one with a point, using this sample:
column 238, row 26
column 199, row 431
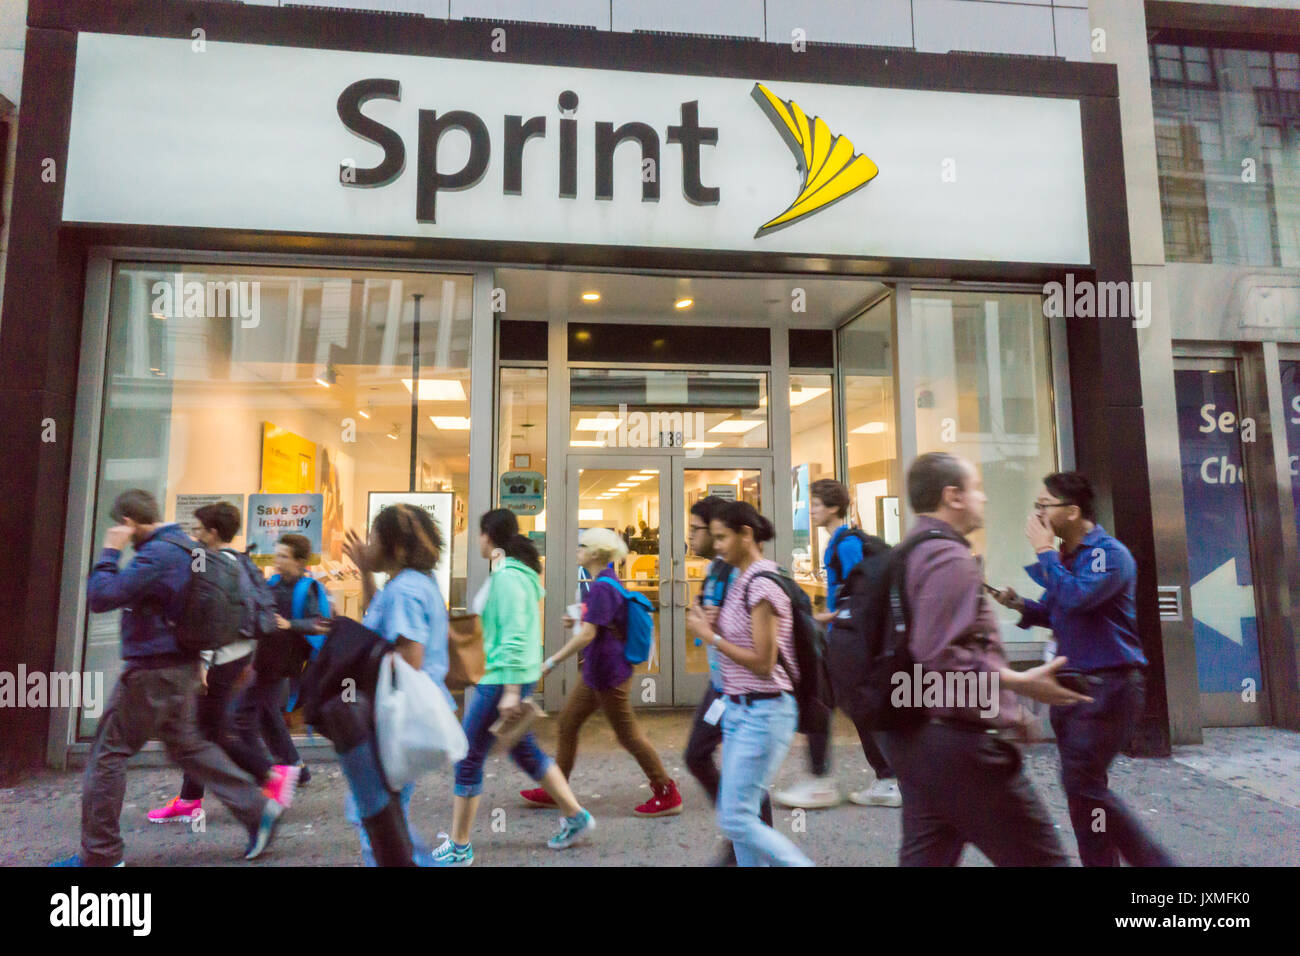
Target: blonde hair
column 604, row 544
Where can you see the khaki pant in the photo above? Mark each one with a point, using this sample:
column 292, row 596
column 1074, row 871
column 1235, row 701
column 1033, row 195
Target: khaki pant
column 149, row 705
column 582, row 703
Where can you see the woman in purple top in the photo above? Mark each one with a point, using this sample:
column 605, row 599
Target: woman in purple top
column 606, row 676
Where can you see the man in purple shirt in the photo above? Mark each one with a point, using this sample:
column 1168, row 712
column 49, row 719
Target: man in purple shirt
column 962, row 781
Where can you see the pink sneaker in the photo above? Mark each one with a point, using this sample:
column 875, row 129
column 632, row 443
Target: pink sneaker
column 283, row 783
column 176, row 810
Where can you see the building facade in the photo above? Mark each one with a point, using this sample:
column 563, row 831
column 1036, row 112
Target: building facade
column 316, row 261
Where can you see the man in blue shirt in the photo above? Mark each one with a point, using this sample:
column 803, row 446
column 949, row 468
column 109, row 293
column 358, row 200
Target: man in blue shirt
column 828, row 508
column 706, row 729
column 1088, row 603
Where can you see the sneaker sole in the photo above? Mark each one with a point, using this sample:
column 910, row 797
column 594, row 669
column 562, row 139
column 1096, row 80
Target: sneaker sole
column 823, row 804
column 264, row 839
column 660, row 813
column 573, row 839
column 878, row 802
column 189, row 819
column 290, row 789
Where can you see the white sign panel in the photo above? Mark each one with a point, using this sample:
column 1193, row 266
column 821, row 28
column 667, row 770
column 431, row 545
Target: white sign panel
column 245, row 136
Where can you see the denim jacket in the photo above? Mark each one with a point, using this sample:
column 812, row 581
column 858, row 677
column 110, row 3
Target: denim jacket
column 150, row 590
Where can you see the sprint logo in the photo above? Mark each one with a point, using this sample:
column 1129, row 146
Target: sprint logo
column 832, row 168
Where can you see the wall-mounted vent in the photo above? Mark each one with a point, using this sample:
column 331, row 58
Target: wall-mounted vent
column 1170, row 599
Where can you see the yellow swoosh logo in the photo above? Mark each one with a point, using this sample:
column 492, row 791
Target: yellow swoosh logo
column 831, row 166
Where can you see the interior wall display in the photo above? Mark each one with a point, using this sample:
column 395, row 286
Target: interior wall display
column 186, row 505
column 522, row 461
column 333, row 520
column 270, row 516
column 441, row 508
column 288, row 461
column 523, row 492
column 801, row 503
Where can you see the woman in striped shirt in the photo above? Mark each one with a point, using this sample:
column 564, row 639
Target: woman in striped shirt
column 755, row 636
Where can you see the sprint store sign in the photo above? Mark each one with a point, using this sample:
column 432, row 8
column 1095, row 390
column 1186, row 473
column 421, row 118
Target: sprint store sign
column 244, row 136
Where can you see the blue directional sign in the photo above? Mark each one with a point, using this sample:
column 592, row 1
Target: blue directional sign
column 1210, row 432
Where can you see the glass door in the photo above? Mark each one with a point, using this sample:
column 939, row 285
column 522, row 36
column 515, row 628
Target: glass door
column 629, row 495
column 738, row 479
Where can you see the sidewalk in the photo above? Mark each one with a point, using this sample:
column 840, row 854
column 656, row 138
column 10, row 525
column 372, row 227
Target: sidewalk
column 1233, row 801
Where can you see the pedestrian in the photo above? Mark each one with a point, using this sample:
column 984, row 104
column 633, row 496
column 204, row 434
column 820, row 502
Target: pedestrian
column 828, row 509
column 606, row 677
column 300, row 620
column 220, row 672
column 755, row 636
column 1088, row 602
column 156, row 695
column 509, row 607
column 706, row 728
column 408, row 612
column 962, row 780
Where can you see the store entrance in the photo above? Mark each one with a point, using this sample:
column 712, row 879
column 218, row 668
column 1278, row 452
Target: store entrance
column 646, row 499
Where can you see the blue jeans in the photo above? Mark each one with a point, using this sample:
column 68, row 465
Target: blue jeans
column 755, row 739
column 1089, row 736
column 353, row 816
column 480, row 716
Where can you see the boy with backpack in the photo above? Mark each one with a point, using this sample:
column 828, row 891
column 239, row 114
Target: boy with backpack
column 220, row 670
column 613, row 635
column 162, row 632
column 828, row 509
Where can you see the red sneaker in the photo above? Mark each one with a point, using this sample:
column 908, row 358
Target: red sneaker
column 282, row 785
column 666, row 802
column 537, row 797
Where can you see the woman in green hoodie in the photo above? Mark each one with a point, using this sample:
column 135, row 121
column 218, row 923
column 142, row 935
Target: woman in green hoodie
column 510, row 609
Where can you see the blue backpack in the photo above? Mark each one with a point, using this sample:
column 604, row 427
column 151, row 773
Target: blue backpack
column 639, row 633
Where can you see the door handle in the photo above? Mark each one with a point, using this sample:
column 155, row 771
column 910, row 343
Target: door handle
column 683, row 602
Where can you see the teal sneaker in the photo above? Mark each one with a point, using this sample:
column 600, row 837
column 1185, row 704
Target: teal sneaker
column 570, row 829
column 452, row 854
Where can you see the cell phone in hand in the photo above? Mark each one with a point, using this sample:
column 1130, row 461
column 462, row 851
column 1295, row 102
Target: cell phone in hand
column 992, row 590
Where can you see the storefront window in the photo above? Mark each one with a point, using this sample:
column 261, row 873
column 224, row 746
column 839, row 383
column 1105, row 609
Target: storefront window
column 287, row 388
column 870, row 434
column 521, row 451
column 983, row 391
column 812, row 456
column 656, row 408
column 1228, row 150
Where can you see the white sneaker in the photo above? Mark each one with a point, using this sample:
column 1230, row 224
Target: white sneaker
column 813, row 793
column 882, row 793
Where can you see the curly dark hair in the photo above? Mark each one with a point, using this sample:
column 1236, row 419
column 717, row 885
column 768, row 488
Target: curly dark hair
column 411, row 531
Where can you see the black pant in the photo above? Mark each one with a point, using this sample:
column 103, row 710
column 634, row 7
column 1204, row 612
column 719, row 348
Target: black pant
column 1089, row 736
column 257, row 725
column 213, row 724
column 704, row 740
column 967, row 786
column 818, row 721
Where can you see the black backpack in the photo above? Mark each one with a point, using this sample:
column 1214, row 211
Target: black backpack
column 213, row 608
column 868, row 640
column 812, row 687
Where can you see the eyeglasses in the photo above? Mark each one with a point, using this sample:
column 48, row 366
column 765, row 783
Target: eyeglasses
column 1044, row 505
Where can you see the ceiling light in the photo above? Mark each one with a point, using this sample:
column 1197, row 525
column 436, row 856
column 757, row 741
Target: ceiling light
column 394, row 431
column 363, row 413
column 649, row 471
column 870, row 428
column 685, row 302
column 450, row 423
column 580, row 443
column 591, row 297
column 638, row 478
column 439, row 389
column 597, row 424
column 736, row 426
column 800, row 395
column 702, row 444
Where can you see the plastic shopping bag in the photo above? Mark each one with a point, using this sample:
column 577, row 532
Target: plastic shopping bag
column 416, row 727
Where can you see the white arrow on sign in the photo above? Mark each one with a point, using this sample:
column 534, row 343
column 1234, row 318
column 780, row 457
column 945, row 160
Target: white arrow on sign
column 1220, row 603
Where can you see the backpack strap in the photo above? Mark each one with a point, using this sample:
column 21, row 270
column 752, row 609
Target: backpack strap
column 899, row 610
column 777, row 578
column 305, row 584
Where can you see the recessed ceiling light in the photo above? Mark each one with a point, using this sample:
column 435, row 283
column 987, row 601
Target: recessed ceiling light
column 439, row 389
column 649, row 471
column 591, row 297
column 736, row 426
column 685, row 302
column 870, row 428
column 806, row 394
column 597, row 424
column 450, row 423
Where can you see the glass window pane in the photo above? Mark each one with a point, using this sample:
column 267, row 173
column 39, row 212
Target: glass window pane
column 874, row 478
column 232, row 382
column 655, row 408
column 983, row 391
column 812, row 456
